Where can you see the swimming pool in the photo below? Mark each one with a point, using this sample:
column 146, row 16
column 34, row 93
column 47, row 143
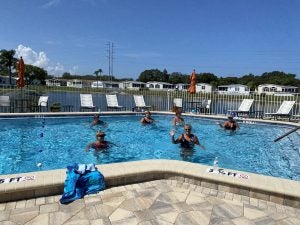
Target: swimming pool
column 58, row 142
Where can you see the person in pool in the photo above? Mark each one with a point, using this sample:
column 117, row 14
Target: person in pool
column 96, row 120
column 147, row 119
column 99, row 144
column 230, row 124
column 186, row 140
column 178, row 120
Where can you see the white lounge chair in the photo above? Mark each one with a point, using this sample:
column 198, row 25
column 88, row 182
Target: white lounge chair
column 86, row 101
column 206, row 105
column 244, row 108
column 43, row 102
column 112, row 103
column 140, row 102
column 177, row 104
column 283, row 111
column 5, row 102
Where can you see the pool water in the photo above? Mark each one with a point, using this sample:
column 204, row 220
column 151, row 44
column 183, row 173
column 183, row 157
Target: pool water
column 59, row 142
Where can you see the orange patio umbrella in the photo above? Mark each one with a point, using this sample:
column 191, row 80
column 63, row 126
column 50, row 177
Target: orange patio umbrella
column 192, row 88
column 21, row 69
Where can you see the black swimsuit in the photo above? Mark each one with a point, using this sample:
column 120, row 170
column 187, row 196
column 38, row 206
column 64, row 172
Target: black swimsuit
column 187, row 144
column 146, row 120
column 233, row 127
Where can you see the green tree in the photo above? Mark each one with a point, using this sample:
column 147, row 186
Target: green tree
column 228, row 80
column 7, row 62
column 34, row 73
column 66, row 75
column 97, row 73
column 206, row 78
column 176, row 78
column 278, row 77
column 153, row 75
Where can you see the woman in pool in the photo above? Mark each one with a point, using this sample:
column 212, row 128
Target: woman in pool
column 231, row 124
column 99, row 144
column 178, row 120
column 186, row 140
column 96, row 120
column 147, row 119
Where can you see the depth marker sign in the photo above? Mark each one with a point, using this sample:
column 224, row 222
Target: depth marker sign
column 228, row 173
column 16, row 179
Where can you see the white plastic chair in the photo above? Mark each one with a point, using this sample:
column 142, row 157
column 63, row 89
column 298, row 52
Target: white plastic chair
column 112, row 102
column 86, row 101
column 140, row 102
column 244, row 107
column 43, row 102
column 206, row 105
column 177, row 102
column 5, row 102
column 284, row 110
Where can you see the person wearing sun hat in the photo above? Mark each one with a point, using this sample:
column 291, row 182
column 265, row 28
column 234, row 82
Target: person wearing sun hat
column 230, row 124
column 99, row 144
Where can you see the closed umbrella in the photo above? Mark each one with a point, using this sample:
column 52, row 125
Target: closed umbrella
column 192, row 88
column 21, row 69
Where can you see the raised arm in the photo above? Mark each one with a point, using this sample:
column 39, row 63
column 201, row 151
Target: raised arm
column 172, row 134
column 220, row 124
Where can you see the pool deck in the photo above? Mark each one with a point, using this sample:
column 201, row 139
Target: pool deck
column 154, row 192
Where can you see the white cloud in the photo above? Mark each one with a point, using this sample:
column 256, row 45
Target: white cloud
column 31, row 57
column 40, row 60
column 51, row 3
column 56, row 70
column 73, row 70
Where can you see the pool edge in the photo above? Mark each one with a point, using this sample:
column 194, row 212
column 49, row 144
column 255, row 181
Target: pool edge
column 46, row 183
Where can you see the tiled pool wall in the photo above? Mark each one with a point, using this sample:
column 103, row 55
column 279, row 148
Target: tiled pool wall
column 277, row 190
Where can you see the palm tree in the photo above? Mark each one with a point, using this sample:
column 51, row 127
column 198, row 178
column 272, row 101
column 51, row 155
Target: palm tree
column 96, row 73
column 7, row 61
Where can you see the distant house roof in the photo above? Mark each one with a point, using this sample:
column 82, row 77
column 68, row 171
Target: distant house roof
column 233, row 85
column 276, row 85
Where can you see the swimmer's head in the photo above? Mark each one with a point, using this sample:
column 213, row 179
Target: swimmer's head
column 100, row 134
column 96, row 116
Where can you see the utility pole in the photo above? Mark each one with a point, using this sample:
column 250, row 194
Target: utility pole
column 110, row 50
column 112, row 59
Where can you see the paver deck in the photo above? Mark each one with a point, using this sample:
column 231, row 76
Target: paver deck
column 163, row 202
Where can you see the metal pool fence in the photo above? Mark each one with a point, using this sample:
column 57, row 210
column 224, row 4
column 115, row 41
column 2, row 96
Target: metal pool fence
column 26, row 100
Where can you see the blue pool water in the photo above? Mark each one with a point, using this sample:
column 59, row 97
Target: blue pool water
column 58, row 142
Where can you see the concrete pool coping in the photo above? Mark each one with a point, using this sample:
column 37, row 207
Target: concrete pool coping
column 47, row 183
column 278, row 190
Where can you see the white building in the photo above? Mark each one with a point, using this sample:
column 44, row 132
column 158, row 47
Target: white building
column 105, row 84
column 156, row 85
column 182, row 87
column 53, row 82
column 237, row 89
column 75, row 83
column 273, row 89
column 132, row 85
column 4, row 81
column 203, row 87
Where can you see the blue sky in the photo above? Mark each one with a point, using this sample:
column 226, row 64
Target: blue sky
column 224, row 37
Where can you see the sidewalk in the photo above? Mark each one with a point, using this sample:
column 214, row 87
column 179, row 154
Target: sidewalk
column 163, row 202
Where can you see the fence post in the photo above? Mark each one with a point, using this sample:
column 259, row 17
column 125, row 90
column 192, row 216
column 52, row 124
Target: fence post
column 168, row 104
